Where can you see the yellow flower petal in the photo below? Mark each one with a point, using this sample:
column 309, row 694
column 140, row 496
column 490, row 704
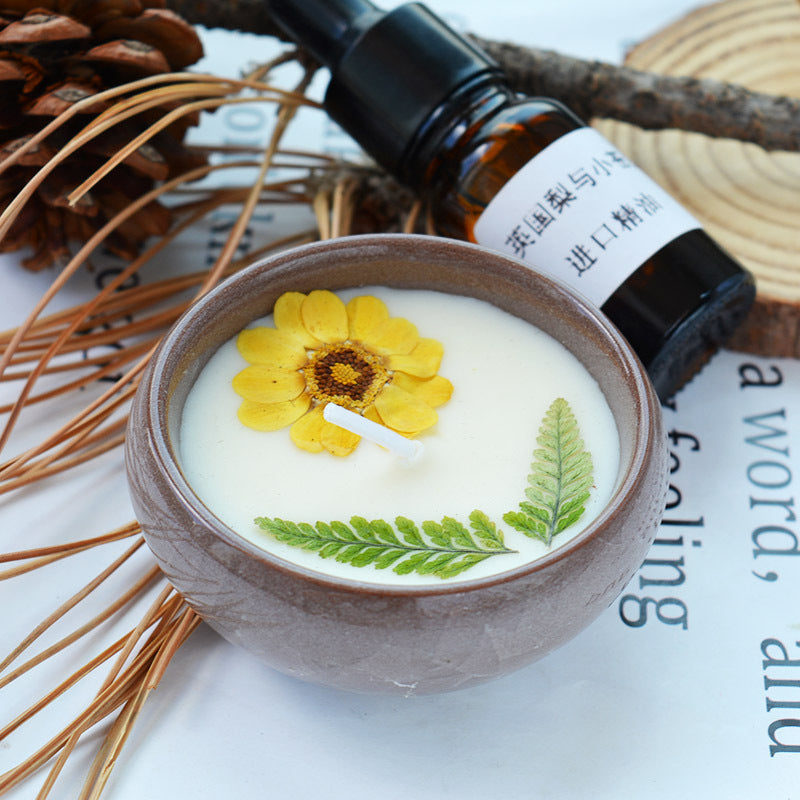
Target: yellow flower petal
column 273, row 416
column 306, row 433
column 422, row 362
column 338, row 441
column 288, row 319
column 366, row 314
column 270, row 346
column 395, row 336
column 372, row 413
column 264, row 384
column 435, row 391
column 324, row 316
column 402, row 411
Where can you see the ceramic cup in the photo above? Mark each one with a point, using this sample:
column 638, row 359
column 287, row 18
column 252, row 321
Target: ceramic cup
column 390, row 638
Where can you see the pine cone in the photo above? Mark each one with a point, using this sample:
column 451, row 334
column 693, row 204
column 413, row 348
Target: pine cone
column 54, row 53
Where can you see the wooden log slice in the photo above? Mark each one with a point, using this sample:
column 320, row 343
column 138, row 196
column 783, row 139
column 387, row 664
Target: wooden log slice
column 746, row 198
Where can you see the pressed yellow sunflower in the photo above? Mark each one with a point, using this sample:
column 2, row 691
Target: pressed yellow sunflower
column 355, row 355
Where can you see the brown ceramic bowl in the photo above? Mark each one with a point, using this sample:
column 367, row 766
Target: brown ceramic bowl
column 389, row 638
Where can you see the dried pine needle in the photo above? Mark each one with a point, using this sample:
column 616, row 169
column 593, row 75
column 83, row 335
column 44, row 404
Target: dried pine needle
column 132, row 320
column 122, row 600
column 123, row 532
column 116, row 694
column 41, row 557
column 69, row 604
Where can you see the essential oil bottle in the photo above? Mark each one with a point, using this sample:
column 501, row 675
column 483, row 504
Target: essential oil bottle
column 524, row 176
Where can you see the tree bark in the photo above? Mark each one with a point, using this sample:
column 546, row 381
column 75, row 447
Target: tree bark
column 248, row 16
column 651, row 101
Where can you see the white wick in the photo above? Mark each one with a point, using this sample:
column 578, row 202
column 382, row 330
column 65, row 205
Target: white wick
column 408, row 449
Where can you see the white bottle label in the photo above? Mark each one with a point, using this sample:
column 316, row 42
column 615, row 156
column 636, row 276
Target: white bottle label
column 582, row 212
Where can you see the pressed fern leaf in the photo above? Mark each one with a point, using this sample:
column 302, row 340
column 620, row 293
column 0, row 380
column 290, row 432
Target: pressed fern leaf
column 560, row 477
column 443, row 549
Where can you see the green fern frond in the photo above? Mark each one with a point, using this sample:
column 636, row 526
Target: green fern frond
column 560, row 478
column 443, row 549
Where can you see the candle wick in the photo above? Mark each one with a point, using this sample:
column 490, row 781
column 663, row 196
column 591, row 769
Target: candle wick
column 408, row 450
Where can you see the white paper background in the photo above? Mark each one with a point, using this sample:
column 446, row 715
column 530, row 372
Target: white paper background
column 651, row 712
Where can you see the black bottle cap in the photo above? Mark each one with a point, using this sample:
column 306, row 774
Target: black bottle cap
column 391, row 72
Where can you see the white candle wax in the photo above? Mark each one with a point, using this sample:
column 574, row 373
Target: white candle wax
column 505, row 374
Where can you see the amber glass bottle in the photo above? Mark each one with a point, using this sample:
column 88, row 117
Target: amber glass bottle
column 524, row 176
column 675, row 308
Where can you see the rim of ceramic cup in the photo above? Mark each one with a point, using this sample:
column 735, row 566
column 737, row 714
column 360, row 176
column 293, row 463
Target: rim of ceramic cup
column 163, row 382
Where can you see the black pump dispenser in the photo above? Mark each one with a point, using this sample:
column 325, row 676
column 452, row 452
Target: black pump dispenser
column 391, row 71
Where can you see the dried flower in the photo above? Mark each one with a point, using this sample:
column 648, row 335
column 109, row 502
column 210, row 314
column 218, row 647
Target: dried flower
column 357, row 356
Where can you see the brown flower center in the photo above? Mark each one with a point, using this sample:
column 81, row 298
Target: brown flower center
column 346, row 374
